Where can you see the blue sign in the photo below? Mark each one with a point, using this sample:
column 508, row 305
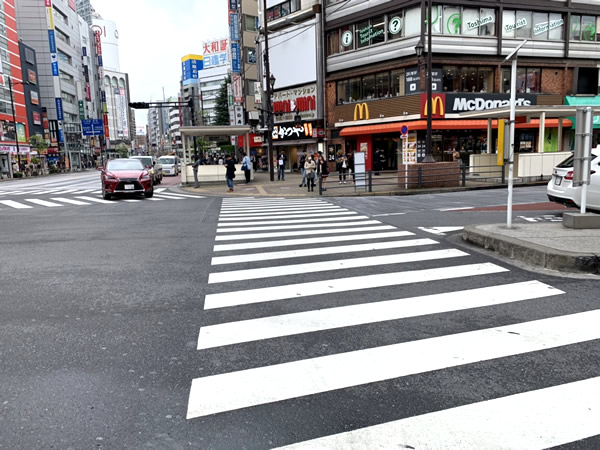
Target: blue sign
column 52, row 41
column 59, row 109
column 236, row 59
column 100, row 60
column 190, row 68
column 233, row 5
column 404, row 130
column 234, row 26
column 55, row 69
column 92, row 127
column 61, row 139
column 103, row 94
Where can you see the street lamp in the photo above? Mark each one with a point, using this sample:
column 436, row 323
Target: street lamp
column 419, row 49
column 12, row 104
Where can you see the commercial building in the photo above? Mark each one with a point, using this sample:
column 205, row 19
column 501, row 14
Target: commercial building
column 31, row 90
column 376, row 84
column 85, row 10
column 110, row 41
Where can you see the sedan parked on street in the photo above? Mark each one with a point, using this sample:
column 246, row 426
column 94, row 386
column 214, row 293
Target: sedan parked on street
column 153, row 167
column 560, row 188
column 125, row 176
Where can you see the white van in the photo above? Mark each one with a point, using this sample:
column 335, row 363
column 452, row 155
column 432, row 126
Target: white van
column 170, row 164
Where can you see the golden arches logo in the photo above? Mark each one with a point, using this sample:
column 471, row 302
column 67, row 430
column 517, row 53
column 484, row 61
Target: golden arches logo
column 361, row 109
column 437, row 102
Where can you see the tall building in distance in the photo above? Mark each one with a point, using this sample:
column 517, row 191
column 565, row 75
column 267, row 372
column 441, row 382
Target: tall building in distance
column 110, row 41
column 85, row 10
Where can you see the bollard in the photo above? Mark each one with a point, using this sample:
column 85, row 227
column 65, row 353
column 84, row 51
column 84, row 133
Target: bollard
column 420, row 178
column 370, row 181
column 463, row 174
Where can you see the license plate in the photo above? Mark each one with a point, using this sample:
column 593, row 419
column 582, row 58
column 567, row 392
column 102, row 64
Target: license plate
column 557, row 180
column 129, row 186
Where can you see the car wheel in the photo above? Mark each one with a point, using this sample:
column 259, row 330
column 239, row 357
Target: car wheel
column 149, row 194
column 105, row 195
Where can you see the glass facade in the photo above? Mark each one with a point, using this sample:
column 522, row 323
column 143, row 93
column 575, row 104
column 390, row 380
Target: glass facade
column 370, row 87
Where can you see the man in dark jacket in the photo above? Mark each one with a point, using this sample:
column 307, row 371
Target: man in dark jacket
column 230, row 172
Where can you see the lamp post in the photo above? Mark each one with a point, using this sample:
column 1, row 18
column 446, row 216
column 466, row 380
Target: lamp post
column 419, row 49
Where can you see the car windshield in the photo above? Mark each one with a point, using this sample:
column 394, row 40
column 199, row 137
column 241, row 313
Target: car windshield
column 145, row 161
column 125, row 164
column 166, row 161
column 568, row 163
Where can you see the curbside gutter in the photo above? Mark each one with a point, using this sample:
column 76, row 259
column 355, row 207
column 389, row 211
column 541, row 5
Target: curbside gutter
column 531, row 253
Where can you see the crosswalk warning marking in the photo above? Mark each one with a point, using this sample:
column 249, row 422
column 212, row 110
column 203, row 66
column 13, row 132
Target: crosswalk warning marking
column 14, row 204
column 97, row 200
column 168, row 197
column 283, row 212
column 245, row 388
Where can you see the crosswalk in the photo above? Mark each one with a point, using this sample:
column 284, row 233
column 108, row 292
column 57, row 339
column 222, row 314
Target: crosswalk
column 55, row 198
column 283, row 269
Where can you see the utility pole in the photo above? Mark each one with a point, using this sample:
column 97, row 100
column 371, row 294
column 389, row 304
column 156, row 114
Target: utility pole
column 269, row 94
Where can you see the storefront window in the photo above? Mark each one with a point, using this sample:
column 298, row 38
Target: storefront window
column 556, row 26
column 342, row 92
column 588, row 28
column 508, row 24
column 412, row 22
column 362, row 34
column 450, row 79
column 575, row 29
column 529, row 80
column 540, row 26
column 534, row 79
column 470, row 22
column 451, row 20
column 524, row 24
column 354, row 89
column 397, row 83
column 368, row 87
column 468, row 79
column 333, row 43
column 485, row 81
column 395, row 25
column 436, row 22
column 377, row 30
column 488, row 22
column 382, row 81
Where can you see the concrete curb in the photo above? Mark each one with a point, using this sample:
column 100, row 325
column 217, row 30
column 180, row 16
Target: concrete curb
column 533, row 254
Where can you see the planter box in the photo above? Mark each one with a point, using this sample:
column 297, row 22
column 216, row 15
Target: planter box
column 433, row 175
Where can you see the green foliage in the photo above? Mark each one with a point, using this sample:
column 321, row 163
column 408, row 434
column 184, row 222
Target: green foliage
column 18, row 175
column 222, row 104
column 122, row 150
column 39, row 143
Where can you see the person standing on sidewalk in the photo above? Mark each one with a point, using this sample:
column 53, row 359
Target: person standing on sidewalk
column 281, row 167
column 323, row 170
column 230, row 172
column 246, row 165
column 342, row 167
column 309, row 168
column 195, row 164
column 302, row 169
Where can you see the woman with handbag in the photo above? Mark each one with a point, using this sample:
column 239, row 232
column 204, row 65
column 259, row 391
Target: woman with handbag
column 309, row 167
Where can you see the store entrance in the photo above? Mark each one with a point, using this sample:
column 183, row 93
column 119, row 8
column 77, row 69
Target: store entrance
column 385, row 152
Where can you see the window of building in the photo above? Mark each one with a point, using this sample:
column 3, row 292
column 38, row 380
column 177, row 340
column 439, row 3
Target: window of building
column 69, row 98
column 412, row 22
column 467, row 79
column 588, row 28
column 59, row 15
column 451, row 20
column 369, row 87
column 575, row 28
column 529, row 80
column 362, row 34
column 382, row 85
column 62, row 36
column 66, row 78
column 333, row 43
column 250, row 23
column 283, row 9
column 397, row 83
column 63, row 56
column 524, row 22
column 251, row 55
column 347, row 38
column 354, row 89
column 395, row 25
column 528, row 25
column 29, row 56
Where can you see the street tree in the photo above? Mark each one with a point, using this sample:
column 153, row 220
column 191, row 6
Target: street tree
column 222, row 104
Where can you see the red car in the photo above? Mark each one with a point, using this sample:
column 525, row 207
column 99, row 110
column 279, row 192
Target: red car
column 125, row 176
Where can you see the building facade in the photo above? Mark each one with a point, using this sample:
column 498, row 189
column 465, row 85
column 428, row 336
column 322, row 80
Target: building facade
column 31, row 87
column 375, row 82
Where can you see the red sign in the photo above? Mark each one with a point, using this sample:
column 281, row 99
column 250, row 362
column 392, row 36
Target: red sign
column 72, row 5
column 106, row 132
column 98, row 43
column 437, row 107
column 255, row 140
column 300, row 104
column 48, row 3
column 37, row 118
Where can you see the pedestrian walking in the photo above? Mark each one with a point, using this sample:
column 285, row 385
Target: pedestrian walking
column 310, row 168
column 195, row 164
column 302, row 169
column 323, row 171
column 230, row 172
column 342, row 163
column 281, row 167
column 246, row 166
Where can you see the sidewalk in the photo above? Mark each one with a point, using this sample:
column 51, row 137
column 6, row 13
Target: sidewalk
column 385, row 184
column 547, row 245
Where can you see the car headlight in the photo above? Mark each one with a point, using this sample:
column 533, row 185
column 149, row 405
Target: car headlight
column 144, row 176
column 111, row 177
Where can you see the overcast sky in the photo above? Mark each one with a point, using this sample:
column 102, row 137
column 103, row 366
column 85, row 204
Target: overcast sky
column 155, row 34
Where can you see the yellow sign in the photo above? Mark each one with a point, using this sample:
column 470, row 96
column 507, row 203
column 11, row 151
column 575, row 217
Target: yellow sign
column 359, row 110
column 438, row 103
column 187, row 57
column 500, row 149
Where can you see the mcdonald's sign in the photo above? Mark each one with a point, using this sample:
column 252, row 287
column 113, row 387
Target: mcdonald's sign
column 438, row 107
column 361, row 111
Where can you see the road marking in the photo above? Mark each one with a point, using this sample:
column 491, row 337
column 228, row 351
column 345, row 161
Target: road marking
column 283, row 212
column 131, row 200
column 317, row 251
column 282, row 292
column 301, row 233
column 70, row 201
column 245, row 388
column 157, row 190
column 68, row 191
column 298, row 208
column 340, row 264
column 169, row 197
column 312, row 240
column 85, row 191
column 153, row 199
column 456, row 209
column 440, row 231
column 390, row 214
column 538, row 419
column 42, row 202
column 288, row 216
column 183, row 195
column 346, row 316
column 301, row 226
column 14, row 204
column 277, row 222
column 273, row 206
column 97, row 200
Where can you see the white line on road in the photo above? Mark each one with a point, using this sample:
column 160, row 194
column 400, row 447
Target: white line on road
column 390, row 214
column 301, row 233
column 346, row 316
column 97, row 200
column 317, row 251
column 283, row 211
column 456, row 209
column 182, row 195
column 301, row 226
column 69, row 201
column 288, row 216
column 278, row 222
column 282, row 292
column 311, row 240
column 340, row 264
column 538, row 419
column 42, row 202
column 272, row 207
column 169, row 197
column 440, row 231
column 235, row 390
column 14, row 204
column 153, row 199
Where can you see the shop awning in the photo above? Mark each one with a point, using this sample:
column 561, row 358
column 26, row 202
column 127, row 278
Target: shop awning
column 442, row 125
column 584, row 101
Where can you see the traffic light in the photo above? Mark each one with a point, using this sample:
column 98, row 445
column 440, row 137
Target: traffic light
column 139, row 105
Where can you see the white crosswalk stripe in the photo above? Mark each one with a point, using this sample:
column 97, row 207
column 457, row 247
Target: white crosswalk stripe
column 14, row 204
column 42, row 202
column 70, row 201
column 327, row 246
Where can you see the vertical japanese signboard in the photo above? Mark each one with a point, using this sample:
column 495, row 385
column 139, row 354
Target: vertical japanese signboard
column 54, row 66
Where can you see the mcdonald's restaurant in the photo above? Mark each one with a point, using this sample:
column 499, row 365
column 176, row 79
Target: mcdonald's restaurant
column 374, row 127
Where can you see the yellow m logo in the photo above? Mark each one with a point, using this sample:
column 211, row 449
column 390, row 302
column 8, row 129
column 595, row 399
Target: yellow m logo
column 438, row 103
column 359, row 110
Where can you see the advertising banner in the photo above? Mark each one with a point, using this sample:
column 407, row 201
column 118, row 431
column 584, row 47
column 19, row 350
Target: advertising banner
column 234, row 26
column 52, row 41
column 59, row 109
column 301, row 100
column 31, row 77
column 236, row 60
column 55, row 68
column 21, row 135
column 35, row 99
column 37, row 118
column 238, row 96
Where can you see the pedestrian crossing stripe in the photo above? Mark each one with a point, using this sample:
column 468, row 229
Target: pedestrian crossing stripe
column 294, row 221
column 310, row 240
column 319, row 251
column 365, row 313
column 303, row 226
column 341, row 264
column 69, row 201
column 275, row 234
column 316, row 209
column 78, row 200
column 314, row 288
column 284, row 207
column 289, row 216
column 14, row 204
column 262, row 385
column 42, row 202
column 538, row 419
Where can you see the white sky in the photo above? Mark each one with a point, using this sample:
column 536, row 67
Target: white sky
column 155, row 34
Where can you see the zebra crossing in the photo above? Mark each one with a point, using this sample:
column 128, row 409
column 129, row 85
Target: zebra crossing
column 54, row 198
column 332, row 241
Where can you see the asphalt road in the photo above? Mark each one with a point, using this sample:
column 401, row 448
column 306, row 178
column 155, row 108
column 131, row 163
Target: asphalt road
column 102, row 308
